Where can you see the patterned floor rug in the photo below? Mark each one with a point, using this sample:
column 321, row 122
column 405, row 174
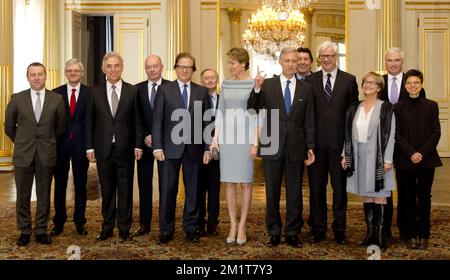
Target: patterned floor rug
column 215, row 247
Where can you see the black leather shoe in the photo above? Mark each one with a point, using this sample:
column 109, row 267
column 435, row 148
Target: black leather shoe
column 165, row 238
column 412, row 244
column 340, row 238
column 142, row 230
column 24, row 239
column 274, row 240
column 57, row 230
column 201, row 231
column 104, row 235
column 317, row 237
column 192, row 236
column 125, row 236
column 81, row 230
column 212, row 229
column 293, row 241
column 43, row 239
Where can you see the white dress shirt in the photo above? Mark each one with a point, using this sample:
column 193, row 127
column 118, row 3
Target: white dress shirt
column 34, row 99
column 332, row 78
column 69, row 91
column 188, row 89
column 362, row 124
column 292, row 85
column 150, row 86
column 398, row 81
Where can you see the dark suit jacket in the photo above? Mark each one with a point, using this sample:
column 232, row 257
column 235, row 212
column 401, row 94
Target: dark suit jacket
column 296, row 131
column 403, row 93
column 167, row 101
column 28, row 135
column 145, row 109
column 417, row 130
column 126, row 125
column 75, row 125
column 330, row 118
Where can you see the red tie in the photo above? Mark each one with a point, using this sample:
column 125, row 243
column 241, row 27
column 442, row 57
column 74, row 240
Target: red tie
column 73, row 102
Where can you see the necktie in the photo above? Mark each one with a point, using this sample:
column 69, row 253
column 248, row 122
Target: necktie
column 153, row 95
column 114, row 100
column 211, row 102
column 394, row 91
column 185, row 96
column 73, row 103
column 38, row 107
column 328, row 88
column 287, row 97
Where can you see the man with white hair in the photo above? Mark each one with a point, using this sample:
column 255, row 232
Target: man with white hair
column 71, row 148
column 333, row 91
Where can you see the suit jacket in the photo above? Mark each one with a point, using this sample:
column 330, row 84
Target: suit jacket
column 125, row 126
column 417, row 130
column 403, row 93
column 74, row 126
column 330, row 118
column 296, row 130
column 167, row 101
column 145, row 109
column 30, row 136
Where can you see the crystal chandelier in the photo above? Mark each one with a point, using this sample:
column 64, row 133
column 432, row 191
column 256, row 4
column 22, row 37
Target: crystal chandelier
column 278, row 24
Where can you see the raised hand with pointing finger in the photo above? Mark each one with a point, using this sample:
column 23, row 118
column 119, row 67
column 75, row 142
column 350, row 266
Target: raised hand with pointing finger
column 259, row 79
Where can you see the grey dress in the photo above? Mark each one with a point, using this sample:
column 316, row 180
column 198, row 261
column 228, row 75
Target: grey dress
column 237, row 131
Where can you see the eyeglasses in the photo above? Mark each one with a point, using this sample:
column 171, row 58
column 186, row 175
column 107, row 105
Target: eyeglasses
column 73, row 71
column 416, row 83
column 370, row 83
column 185, row 68
column 327, row 56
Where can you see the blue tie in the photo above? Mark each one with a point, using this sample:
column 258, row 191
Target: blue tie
column 328, row 88
column 185, row 96
column 287, row 97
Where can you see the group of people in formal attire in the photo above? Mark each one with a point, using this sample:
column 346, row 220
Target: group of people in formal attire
column 296, row 119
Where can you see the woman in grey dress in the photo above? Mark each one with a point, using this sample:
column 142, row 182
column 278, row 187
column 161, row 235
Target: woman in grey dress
column 368, row 152
column 236, row 135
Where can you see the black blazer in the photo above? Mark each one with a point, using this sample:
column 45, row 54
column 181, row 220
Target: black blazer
column 167, row 101
column 403, row 93
column 145, row 109
column 330, row 118
column 417, row 130
column 75, row 125
column 126, row 126
column 296, row 130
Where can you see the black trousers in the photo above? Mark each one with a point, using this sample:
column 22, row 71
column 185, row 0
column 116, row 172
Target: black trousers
column 24, row 184
column 273, row 174
column 116, row 181
column 80, row 164
column 169, row 192
column 327, row 161
column 209, row 185
column 414, row 189
column 145, row 183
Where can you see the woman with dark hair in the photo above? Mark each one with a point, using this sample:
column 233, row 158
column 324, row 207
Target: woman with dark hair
column 417, row 135
column 368, row 155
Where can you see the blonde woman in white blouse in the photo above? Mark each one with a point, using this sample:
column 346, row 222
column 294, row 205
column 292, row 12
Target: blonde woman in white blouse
column 368, row 153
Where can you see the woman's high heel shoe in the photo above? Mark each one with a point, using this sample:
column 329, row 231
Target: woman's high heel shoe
column 241, row 242
column 230, row 240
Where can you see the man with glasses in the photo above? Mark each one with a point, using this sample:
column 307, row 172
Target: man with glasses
column 34, row 128
column 147, row 95
column 394, row 92
column 72, row 149
column 178, row 142
column 333, row 91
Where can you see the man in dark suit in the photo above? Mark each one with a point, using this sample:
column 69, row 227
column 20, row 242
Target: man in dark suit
column 114, row 138
column 178, row 141
column 147, row 94
column 333, row 91
column 290, row 102
column 209, row 178
column 394, row 91
column 305, row 60
column 72, row 148
column 34, row 119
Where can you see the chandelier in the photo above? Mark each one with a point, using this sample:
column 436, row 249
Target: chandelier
column 277, row 24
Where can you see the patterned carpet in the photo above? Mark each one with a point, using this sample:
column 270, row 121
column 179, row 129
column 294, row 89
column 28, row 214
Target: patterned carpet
column 214, row 248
